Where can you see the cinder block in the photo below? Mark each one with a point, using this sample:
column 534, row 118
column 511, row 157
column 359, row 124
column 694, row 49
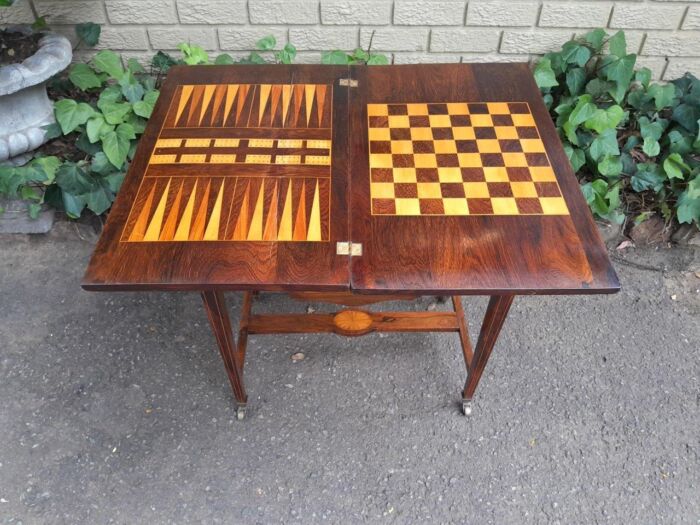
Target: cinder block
column 18, row 13
column 683, row 44
column 169, row 37
column 581, row 14
column 429, row 12
column 283, row 11
column 141, row 11
column 677, row 67
column 692, row 18
column 493, row 57
column 212, row 11
column 527, row 42
column 348, row 12
column 123, row 38
column 646, row 16
column 244, row 38
column 501, row 13
column 468, row 40
column 324, row 38
column 395, row 39
column 426, row 58
column 71, row 11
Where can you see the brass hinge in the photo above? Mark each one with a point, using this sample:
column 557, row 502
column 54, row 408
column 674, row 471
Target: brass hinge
column 353, row 249
column 348, row 82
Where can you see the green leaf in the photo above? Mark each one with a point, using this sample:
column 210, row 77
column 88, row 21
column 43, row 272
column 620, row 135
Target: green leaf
column 267, row 43
column 131, row 88
column 71, row 178
column 595, row 38
column 544, row 75
column 610, row 166
column 377, row 60
column 71, row 114
column 83, row 77
column 651, row 147
column 108, row 62
column 287, row 55
column 648, row 177
column 687, row 115
column 574, row 53
column 689, row 202
column 583, row 111
column 598, row 87
column 603, row 119
column 134, row 66
column 88, row 33
column 73, row 204
column 576, row 156
column 643, row 76
column 224, row 59
column 193, row 55
column 114, row 181
column 663, row 95
column 114, row 112
column 575, row 80
column 674, row 166
column 162, row 61
column 96, row 128
column 40, row 24
column 618, row 44
column 101, row 164
column 652, row 130
column 604, row 144
column 620, row 71
column 116, row 144
column 34, row 210
column 335, row 58
column 110, row 94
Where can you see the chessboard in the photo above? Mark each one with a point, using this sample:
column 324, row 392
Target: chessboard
column 459, row 159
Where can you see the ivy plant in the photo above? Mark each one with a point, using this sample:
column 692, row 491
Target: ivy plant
column 634, row 143
column 118, row 102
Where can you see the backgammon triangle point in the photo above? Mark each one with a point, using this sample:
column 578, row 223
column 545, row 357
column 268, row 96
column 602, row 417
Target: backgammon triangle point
column 286, row 100
column 274, row 102
column 196, row 100
column 320, row 101
column 168, row 230
column 141, row 223
column 315, row 219
column 270, row 232
column 183, row 229
column 243, row 90
column 197, row 231
column 285, row 232
column 298, row 100
column 264, row 97
column 153, row 231
column 256, row 223
column 241, row 229
column 219, row 95
column 310, row 91
column 185, row 94
column 231, row 91
column 300, row 222
column 212, row 231
column 208, row 93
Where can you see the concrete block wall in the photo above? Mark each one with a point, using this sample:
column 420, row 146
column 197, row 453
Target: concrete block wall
column 665, row 33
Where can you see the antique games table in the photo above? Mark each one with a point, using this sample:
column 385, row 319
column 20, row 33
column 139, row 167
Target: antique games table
column 351, row 185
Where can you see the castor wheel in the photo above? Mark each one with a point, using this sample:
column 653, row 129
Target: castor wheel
column 240, row 413
column 466, row 407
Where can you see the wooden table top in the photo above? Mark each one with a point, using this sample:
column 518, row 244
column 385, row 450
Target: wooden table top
column 451, row 177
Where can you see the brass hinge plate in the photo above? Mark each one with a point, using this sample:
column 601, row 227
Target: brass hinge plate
column 353, row 249
column 348, row 82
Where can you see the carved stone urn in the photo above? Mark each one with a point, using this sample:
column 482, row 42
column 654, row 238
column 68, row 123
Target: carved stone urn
column 24, row 103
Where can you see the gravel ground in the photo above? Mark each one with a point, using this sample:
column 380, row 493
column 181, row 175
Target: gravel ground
column 116, row 408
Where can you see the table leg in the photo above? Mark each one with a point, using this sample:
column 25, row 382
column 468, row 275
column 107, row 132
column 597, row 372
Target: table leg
column 215, row 305
column 496, row 313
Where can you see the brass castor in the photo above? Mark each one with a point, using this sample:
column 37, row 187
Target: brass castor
column 240, row 413
column 467, row 407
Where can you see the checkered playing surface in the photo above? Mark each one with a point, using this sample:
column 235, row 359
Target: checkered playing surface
column 459, row 159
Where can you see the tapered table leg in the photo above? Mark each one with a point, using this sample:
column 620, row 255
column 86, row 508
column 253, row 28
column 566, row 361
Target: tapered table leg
column 496, row 313
column 215, row 305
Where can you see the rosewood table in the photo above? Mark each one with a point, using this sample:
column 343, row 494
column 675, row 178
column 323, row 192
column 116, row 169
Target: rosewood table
column 351, row 185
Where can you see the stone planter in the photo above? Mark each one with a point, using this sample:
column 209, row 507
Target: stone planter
column 16, row 219
column 24, row 104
